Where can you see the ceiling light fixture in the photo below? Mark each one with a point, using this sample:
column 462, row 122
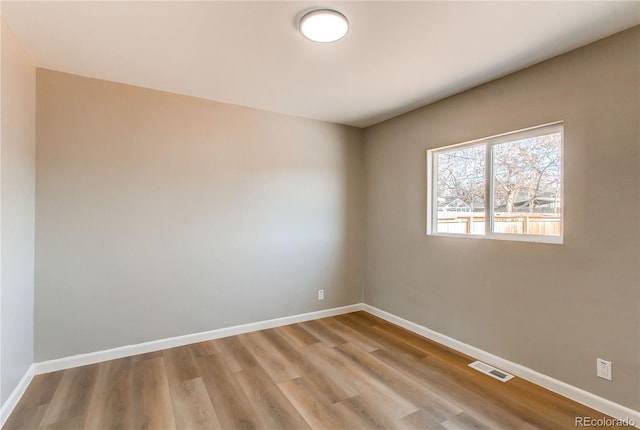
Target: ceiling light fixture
column 324, row 25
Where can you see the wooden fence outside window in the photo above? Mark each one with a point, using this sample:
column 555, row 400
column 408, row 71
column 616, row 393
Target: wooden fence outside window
column 468, row 223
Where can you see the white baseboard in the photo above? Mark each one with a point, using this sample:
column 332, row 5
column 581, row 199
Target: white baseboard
column 16, row 395
column 172, row 342
column 579, row 395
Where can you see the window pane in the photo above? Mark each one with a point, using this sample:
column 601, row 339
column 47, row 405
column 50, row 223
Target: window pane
column 461, row 190
column 527, row 186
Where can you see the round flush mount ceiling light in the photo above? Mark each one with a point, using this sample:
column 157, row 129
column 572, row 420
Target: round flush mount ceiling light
column 324, row 25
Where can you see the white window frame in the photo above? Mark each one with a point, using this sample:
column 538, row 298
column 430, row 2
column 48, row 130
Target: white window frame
column 489, row 143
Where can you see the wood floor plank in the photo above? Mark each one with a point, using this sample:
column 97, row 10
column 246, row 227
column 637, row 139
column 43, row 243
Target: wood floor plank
column 192, row 407
column 72, row 395
column 366, row 329
column 557, row 408
column 334, row 389
column 397, row 382
column 315, row 409
column 209, row 347
column 299, row 335
column 328, row 337
column 350, row 335
column 151, row 399
column 29, row 420
column 73, row 423
column 271, row 360
column 31, row 408
column 483, row 386
column 110, row 404
column 420, row 419
column 147, row 356
column 420, row 343
column 236, row 354
column 180, row 365
column 352, row 371
column 463, row 421
column 366, row 412
column 272, row 407
column 231, row 404
column 439, row 383
column 361, row 381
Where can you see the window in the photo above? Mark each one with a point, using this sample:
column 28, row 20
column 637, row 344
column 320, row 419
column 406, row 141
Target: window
column 502, row 187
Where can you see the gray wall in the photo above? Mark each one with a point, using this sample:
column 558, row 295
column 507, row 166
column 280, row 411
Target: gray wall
column 161, row 215
column 17, row 198
column 553, row 308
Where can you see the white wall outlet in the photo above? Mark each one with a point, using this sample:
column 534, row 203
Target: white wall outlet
column 603, row 369
column 320, row 294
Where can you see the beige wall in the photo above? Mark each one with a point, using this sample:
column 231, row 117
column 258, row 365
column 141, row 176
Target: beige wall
column 553, row 308
column 17, row 179
column 161, row 215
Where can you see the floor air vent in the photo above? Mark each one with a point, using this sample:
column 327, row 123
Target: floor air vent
column 491, row 371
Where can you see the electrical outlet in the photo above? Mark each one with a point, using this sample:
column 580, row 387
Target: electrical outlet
column 320, row 294
column 603, row 369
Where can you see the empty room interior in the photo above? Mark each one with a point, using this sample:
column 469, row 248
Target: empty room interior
column 320, row 215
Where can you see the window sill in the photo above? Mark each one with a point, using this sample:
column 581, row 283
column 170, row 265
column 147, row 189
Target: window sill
column 554, row 240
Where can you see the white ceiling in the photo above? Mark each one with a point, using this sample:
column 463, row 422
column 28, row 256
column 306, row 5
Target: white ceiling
column 397, row 55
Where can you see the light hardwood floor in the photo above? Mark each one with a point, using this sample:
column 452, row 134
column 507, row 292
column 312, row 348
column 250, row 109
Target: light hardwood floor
column 353, row 371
